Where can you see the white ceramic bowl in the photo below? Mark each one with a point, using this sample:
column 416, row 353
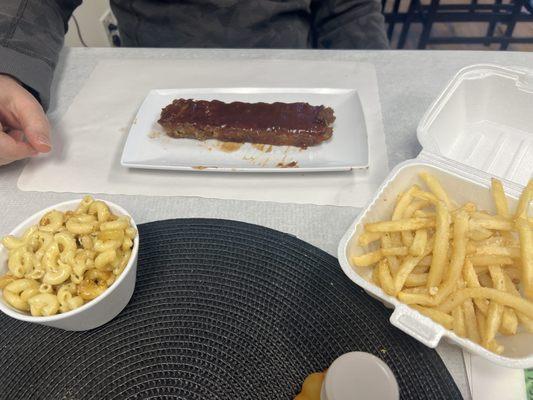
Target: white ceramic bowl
column 94, row 313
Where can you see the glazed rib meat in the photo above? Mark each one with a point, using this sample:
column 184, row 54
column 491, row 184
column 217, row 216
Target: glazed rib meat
column 283, row 124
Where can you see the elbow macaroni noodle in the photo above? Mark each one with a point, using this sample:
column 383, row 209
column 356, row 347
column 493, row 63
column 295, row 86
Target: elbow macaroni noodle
column 66, row 260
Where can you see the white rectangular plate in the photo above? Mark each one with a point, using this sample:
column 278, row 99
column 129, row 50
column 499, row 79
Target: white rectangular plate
column 147, row 146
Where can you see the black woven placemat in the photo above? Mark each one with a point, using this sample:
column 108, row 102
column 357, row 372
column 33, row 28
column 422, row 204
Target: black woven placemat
column 221, row 310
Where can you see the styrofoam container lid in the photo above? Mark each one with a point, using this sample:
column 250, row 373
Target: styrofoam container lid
column 484, row 120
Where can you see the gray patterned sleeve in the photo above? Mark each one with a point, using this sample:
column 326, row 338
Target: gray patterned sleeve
column 31, row 36
column 349, row 24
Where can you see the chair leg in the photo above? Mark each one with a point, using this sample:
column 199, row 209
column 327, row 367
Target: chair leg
column 428, row 24
column 518, row 4
column 414, row 6
column 395, row 8
column 493, row 22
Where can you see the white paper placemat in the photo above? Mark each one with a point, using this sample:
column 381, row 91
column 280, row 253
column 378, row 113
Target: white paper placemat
column 88, row 141
column 490, row 381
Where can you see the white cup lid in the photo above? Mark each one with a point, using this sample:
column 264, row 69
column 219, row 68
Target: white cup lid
column 360, row 376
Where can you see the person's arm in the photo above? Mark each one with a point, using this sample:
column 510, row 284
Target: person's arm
column 348, row 24
column 31, row 37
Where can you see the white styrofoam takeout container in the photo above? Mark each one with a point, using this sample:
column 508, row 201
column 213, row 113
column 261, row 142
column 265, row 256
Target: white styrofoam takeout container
column 479, row 127
column 95, row 312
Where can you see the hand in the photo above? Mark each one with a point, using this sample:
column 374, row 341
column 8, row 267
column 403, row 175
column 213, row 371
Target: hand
column 24, row 129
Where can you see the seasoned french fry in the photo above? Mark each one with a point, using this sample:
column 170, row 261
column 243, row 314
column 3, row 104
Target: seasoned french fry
column 385, row 277
column 375, row 276
column 403, row 202
column 437, row 316
column 411, row 224
column 513, row 252
column 480, row 318
column 386, row 243
column 419, row 242
column 500, row 201
column 479, row 234
column 517, row 303
column 368, row 237
column 510, row 288
column 494, row 223
column 414, row 280
column 440, row 248
column 436, row 188
column 526, row 252
column 424, row 214
column 471, row 279
column 416, row 290
column 523, row 202
column 407, row 266
column 493, row 318
column 423, row 195
column 509, row 324
column 490, row 260
column 367, row 259
column 457, row 261
column 472, row 331
column 416, row 204
column 459, row 326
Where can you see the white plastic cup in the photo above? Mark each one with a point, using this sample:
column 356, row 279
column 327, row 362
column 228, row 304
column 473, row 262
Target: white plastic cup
column 95, row 312
column 361, row 376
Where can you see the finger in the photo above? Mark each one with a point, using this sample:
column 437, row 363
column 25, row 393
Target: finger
column 11, row 149
column 34, row 124
column 18, row 136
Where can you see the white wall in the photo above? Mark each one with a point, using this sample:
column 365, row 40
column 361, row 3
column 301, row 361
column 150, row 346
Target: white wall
column 92, row 30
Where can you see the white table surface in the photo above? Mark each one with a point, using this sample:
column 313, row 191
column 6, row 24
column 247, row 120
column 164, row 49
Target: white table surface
column 408, row 82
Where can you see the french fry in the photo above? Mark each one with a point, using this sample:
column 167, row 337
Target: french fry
column 479, row 234
column 493, row 318
column 437, row 316
column 416, row 290
column 411, row 224
column 490, row 260
column 375, row 276
column 425, row 262
column 410, row 297
column 509, row 324
column 440, row 248
column 500, row 201
column 480, row 318
column 457, row 261
column 472, row 331
column 386, row 243
column 523, row 202
column 419, row 242
column 414, row 280
column 426, row 196
column 513, row 252
column 385, row 277
column 407, row 266
column 366, row 238
column 458, row 324
column 510, row 288
column 471, row 279
column 435, row 187
column 526, row 252
column 367, row 259
column 424, row 214
column 421, row 269
column 403, row 203
column 504, row 298
column 416, row 204
column 494, row 223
